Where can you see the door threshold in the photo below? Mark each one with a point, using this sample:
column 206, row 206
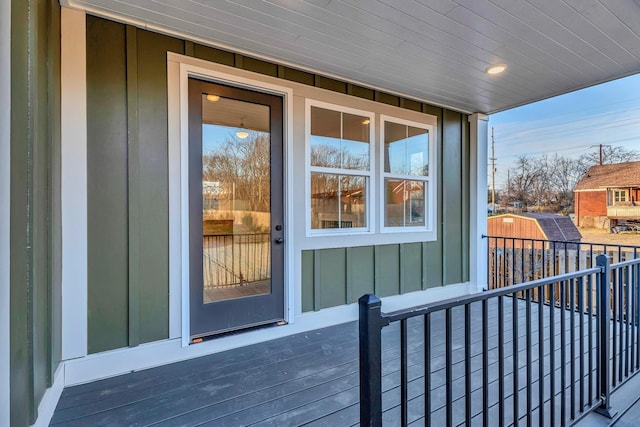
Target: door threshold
column 221, row 334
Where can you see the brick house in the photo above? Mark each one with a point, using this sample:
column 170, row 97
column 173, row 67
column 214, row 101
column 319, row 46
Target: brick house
column 608, row 195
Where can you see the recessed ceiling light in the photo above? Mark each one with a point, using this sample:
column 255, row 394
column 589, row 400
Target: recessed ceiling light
column 496, row 69
column 366, row 121
column 242, row 134
column 213, row 98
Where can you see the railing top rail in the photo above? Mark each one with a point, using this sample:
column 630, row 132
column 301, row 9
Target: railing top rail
column 562, row 242
column 468, row 299
column 627, row 263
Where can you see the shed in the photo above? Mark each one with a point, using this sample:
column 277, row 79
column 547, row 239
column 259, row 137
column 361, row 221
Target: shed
column 543, row 226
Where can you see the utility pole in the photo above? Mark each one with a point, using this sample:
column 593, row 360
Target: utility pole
column 601, row 146
column 508, row 186
column 493, row 174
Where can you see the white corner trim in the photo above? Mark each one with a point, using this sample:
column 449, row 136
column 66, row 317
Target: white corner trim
column 74, row 183
column 479, row 135
column 175, row 224
column 179, row 69
column 5, row 209
column 50, row 398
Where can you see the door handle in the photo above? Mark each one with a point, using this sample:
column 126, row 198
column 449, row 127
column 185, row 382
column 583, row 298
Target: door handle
column 278, row 240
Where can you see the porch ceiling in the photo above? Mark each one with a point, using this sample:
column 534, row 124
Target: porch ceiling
column 433, row 50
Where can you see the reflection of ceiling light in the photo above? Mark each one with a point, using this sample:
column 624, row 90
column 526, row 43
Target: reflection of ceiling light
column 366, row 121
column 496, row 69
column 242, row 134
column 213, row 98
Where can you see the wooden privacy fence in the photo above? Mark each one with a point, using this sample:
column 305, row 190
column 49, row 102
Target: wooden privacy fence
column 235, row 259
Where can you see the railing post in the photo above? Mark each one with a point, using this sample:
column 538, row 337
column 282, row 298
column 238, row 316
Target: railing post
column 370, row 331
column 604, row 335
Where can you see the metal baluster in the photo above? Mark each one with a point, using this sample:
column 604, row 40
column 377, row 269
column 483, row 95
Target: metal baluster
column 541, row 299
column 625, row 273
column 427, row 369
column 404, row 379
column 563, row 357
column 467, row 363
column 500, row 362
column 449, row 366
column 572, row 338
column 529, row 358
column 514, row 326
column 590, row 336
column 552, row 353
column 581, row 314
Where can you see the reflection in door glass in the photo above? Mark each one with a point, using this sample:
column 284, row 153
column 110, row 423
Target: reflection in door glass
column 236, row 199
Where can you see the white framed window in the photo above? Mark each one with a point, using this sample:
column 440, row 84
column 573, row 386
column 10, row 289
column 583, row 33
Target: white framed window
column 340, row 165
column 620, row 196
column 407, row 163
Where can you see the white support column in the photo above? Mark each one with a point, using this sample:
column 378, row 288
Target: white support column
column 5, row 203
column 478, row 160
column 74, row 184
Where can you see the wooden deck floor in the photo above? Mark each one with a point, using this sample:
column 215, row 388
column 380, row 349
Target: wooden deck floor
column 312, row 379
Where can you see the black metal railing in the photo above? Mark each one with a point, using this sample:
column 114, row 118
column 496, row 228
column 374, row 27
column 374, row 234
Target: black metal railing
column 514, row 260
column 235, row 259
column 545, row 352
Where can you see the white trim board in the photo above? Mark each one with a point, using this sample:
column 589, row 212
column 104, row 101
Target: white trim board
column 74, row 183
column 179, row 69
column 479, row 136
column 50, row 399
column 5, row 209
column 116, row 362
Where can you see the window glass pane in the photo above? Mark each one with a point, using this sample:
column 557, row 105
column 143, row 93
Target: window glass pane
column 338, row 201
column 236, row 199
column 339, row 140
column 404, row 203
column 406, row 150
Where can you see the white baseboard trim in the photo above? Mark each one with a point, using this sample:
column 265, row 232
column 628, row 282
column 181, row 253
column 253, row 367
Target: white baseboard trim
column 122, row 361
column 50, row 398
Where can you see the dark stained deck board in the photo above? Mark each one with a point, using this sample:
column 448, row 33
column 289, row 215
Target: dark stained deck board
column 309, row 378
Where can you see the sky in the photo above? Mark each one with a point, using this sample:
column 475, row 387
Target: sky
column 568, row 125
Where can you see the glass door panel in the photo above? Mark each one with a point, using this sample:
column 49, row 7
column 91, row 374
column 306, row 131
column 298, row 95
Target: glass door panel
column 236, row 230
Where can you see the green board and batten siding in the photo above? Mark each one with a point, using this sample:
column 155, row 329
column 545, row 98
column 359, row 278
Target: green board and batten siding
column 35, row 273
column 128, row 193
column 332, row 277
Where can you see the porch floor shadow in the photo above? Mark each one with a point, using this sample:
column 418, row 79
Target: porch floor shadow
column 312, row 379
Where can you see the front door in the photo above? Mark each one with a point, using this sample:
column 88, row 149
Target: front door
column 235, row 208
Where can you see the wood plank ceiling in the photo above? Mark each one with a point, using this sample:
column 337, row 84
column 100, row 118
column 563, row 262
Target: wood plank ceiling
column 431, row 50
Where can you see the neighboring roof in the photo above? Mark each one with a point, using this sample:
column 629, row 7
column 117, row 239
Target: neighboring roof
column 554, row 226
column 433, row 51
column 607, row 176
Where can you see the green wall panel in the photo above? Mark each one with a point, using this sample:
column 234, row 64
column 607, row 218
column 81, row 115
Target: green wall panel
column 107, row 186
column 307, row 281
column 452, row 196
column 214, row 55
column 21, row 383
column 330, row 277
column 34, row 103
column 432, row 251
column 410, row 267
column 360, row 272
column 387, row 262
column 152, row 225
